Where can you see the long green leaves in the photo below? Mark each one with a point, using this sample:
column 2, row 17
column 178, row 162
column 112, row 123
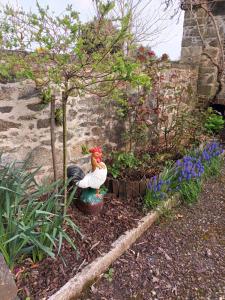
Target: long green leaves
column 31, row 216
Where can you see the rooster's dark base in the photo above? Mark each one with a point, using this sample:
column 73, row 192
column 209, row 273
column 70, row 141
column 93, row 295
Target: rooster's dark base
column 89, row 208
column 89, row 203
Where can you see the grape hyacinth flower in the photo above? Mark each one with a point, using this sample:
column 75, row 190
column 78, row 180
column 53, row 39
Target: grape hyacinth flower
column 186, row 170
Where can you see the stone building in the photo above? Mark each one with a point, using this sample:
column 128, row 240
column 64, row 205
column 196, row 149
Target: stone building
column 203, row 46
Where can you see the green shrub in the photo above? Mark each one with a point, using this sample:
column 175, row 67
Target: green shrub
column 214, row 123
column 121, row 161
column 31, row 216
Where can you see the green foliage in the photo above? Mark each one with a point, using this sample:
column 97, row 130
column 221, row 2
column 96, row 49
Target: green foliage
column 214, row 123
column 103, row 190
column 59, row 116
column 157, row 188
column 131, row 71
column 121, row 161
column 190, row 190
column 105, row 8
column 213, row 168
column 151, row 200
column 109, row 274
column 4, row 72
column 84, row 149
column 31, row 218
column 46, row 95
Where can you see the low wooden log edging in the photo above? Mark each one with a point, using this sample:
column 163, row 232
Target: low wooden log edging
column 76, row 285
column 125, row 188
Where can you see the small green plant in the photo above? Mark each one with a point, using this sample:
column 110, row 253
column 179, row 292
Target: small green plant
column 46, row 95
column 190, row 190
column 166, row 214
column 214, row 123
column 157, row 189
column 59, row 116
column 4, row 73
column 103, row 189
column 109, row 274
column 84, row 149
column 121, row 161
column 213, row 168
column 32, row 223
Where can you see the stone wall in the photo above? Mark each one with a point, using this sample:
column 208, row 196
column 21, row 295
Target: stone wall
column 25, row 131
column 25, row 123
column 200, row 54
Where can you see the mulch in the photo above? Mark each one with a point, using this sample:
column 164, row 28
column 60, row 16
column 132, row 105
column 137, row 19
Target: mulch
column 41, row 280
column 181, row 257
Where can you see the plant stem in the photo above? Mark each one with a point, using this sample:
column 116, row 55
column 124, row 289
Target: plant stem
column 53, row 137
column 64, row 101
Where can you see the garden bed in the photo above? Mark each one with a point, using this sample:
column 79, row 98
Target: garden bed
column 129, row 174
column 117, row 217
column 181, row 257
column 45, row 278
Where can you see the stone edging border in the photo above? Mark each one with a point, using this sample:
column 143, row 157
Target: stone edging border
column 74, row 287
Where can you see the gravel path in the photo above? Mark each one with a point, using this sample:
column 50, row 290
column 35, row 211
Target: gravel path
column 181, row 257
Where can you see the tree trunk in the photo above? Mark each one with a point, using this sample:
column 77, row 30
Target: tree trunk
column 64, row 102
column 53, row 137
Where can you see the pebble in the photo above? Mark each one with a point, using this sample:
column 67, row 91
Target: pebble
column 208, row 253
column 155, row 279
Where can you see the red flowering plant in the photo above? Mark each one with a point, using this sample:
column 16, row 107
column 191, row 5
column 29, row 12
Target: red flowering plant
column 169, row 120
column 136, row 105
column 157, row 119
column 172, row 97
column 159, row 115
column 145, row 54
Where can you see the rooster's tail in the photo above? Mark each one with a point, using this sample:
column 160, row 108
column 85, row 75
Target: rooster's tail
column 75, row 173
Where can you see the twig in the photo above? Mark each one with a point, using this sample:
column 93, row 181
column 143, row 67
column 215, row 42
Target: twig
column 96, row 244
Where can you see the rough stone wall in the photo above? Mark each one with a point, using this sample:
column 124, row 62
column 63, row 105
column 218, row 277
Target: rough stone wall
column 25, row 127
column 183, row 74
column 25, row 124
column 201, row 55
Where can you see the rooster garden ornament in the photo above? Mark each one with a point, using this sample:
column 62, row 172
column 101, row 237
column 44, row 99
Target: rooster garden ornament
column 91, row 199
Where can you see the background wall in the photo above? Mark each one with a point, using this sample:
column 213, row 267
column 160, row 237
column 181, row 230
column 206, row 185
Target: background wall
column 25, row 127
column 25, row 124
column 193, row 50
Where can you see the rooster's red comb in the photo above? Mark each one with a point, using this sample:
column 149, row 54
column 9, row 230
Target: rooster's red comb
column 95, row 149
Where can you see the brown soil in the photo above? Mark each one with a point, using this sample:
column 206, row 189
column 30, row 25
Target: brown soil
column 222, row 136
column 181, row 257
column 45, row 278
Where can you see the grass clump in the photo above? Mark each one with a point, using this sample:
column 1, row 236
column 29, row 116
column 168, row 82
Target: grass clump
column 31, row 216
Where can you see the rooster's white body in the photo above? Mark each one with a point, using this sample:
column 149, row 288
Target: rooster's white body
column 94, row 179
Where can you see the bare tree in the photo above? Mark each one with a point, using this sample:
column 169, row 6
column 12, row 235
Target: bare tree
column 148, row 19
